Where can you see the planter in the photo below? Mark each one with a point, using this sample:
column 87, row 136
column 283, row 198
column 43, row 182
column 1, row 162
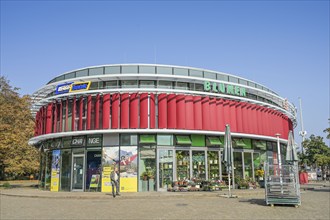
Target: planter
column 262, row 183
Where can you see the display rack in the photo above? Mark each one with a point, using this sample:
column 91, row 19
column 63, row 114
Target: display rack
column 282, row 185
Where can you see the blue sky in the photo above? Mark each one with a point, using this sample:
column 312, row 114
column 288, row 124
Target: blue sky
column 283, row 45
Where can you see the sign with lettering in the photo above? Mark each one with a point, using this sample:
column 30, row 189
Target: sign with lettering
column 80, row 86
column 95, row 140
column 78, row 141
column 63, row 88
column 224, row 88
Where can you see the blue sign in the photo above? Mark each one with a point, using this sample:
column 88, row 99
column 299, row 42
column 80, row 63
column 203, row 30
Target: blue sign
column 63, row 88
column 79, row 86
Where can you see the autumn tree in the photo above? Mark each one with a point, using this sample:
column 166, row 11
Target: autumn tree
column 17, row 158
column 317, row 153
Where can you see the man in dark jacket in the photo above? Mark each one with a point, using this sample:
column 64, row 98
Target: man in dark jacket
column 114, row 176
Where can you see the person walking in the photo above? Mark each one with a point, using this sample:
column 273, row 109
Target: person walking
column 114, row 176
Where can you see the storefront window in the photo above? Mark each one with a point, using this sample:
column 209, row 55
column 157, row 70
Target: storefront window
column 93, row 171
column 183, row 164
column 110, row 159
column 128, row 169
column 165, row 158
column 238, row 164
column 198, row 163
column 66, row 170
column 147, row 168
column 248, row 171
column 128, row 139
column 213, row 164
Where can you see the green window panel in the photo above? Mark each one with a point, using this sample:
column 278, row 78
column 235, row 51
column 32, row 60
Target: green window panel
column 183, row 139
column 214, row 141
column 197, row 140
column 147, row 139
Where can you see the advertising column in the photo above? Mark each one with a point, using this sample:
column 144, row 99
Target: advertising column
column 55, row 175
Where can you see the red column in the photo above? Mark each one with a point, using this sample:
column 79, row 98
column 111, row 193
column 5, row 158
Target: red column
column 55, row 118
column 213, row 114
column 74, row 106
column 254, row 122
column 198, row 125
column 239, row 119
column 189, row 102
column 206, row 113
column 220, row 115
column 134, row 111
column 49, row 118
column 244, row 117
column 162, row 111
column 67, row 115
column 81, row 105
column 226, row 112
column 89, row 112
column 124, row 110
column 106, row 112
column 115, row 111
column 233, row 121
column 171, row 111
column 180, row 112
column 152, row 111
column 144, row 110
column 61, row 116
column 97, row 112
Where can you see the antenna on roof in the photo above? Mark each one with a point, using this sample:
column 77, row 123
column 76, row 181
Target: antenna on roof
column 302, row 133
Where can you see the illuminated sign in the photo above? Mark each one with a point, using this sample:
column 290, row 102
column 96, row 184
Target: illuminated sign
column 224, row 88
column 63, row 88
column 80, row 86
column 72, row 87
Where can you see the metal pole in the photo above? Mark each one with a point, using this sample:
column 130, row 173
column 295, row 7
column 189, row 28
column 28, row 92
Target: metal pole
column 279, row 159
column 302, row 133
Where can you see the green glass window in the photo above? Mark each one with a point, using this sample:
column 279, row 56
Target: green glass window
column 147, row 69
column 129, row 69
column 196, row 73
column 214, row 141
column 112, row 70
column 128, row 139
column 164, row 70
column 96, row 71
column 182, row 139
column 147, row 139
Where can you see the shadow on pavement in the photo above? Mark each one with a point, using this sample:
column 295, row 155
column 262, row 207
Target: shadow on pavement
column 260, row 202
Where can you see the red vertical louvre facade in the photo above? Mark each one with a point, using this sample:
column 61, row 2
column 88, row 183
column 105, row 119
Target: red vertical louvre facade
column 180, row 112
column 226, row 112
column 115, row 111
column 239, row 117
column 152, row 111
column 134, row 111
column 171, row 111
column 89, row 112
column 66, row 125
column 206, row 113
column 73, row 120
column 144, row 110
column 197, row 100
column 124, row 111
column 49, row 118
column 254, row 124
column 106, row 111
column 97, row 112
column 220, row 115
column 213, row 114
column 61, row 116
column 162, row 111
column 55, row 118
column 232, row 109
column 81, row 113
column 189, row 114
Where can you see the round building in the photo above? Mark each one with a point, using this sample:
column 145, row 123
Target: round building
column 157, row 124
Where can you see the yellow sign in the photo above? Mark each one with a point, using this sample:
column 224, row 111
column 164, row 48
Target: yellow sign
column 106, row 181
column 54, row 183
column 128, row 184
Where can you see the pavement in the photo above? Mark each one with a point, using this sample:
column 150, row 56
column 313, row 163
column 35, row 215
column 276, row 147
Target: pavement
column 31, row 190
column 26, row 201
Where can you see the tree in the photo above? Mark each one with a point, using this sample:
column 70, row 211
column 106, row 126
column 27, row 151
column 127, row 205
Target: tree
column 317, row 153
column 17, row 158
column 327, row 130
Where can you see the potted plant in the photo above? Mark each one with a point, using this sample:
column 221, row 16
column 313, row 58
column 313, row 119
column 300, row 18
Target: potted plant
column 260, row 177
column 179, row 157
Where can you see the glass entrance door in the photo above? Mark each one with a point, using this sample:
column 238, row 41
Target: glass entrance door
column 78, row 174
column 165, row 163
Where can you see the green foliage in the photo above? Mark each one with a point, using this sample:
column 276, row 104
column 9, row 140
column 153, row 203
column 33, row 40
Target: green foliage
column 317, row 153
column 17, row 158
column 6, row 185
column 327, row 131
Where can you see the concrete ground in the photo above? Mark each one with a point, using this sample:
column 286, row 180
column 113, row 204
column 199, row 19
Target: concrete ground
column 31, row 203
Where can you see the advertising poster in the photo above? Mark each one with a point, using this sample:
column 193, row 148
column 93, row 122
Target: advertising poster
column 55, row 175
column 128, row 169
column 110, row 157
